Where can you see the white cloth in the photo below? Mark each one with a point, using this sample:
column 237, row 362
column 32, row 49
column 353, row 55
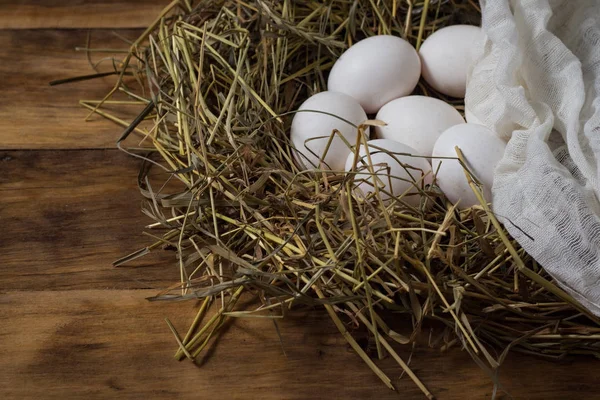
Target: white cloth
column 536, row 83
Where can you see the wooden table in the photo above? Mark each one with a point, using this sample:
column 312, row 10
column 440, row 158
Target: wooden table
column 72, row 326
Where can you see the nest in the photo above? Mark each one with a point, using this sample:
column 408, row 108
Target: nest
column 221, row 80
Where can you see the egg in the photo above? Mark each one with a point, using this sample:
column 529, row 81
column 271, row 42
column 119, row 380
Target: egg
column 482, row 150
column 417, row 121
column 446, row 58
column 376, row 70
column 393, row 165
column 311, row 129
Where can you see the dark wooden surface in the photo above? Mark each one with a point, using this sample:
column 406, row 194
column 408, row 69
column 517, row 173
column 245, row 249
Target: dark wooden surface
column 72, row 326
column 31, row 14
column 35, row 115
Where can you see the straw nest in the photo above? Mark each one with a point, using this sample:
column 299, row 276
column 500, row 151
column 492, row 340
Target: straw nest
column 221, row 80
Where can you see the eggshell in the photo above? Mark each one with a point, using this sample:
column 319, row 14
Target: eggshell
column 482, row 150
column 404, row 171
column 311, row 131
column 417, row 121
column 376, row 70
column 446, row 58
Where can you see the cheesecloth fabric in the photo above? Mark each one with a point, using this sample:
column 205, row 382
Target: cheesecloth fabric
column 536, row 83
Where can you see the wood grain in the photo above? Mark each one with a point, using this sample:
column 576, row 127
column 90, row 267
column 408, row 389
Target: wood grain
column 28, row 14
column 109, row 343
column 35, row 115
column 66, row 215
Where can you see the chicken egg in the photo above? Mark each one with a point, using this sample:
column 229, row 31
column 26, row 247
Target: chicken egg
column 446, row 58
column 376, row 70
column 313, row 125
column 397, row 172
column 417, row 121
column 482, row 151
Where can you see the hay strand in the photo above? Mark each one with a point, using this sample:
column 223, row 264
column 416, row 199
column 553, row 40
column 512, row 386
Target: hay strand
column 222, row 80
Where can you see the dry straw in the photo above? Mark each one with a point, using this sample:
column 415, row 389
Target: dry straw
column 220, row 81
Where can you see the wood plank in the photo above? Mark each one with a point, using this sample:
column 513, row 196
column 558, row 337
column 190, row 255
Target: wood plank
column 108, row 343
column 66, row 215
column 36, row 115
column 28, row 14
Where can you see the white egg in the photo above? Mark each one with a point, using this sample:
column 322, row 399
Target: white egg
column 376, row 70
column 446, row 58
column 311, row 131
column 392, row 165
column 417, row 121
column 482, row 151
